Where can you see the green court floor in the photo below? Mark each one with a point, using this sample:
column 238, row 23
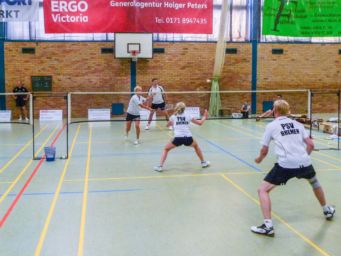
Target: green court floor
column 105, row 199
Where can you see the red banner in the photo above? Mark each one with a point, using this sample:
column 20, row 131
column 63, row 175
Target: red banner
column 107, row 16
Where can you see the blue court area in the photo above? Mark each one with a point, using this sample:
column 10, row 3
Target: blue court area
column 105, row 199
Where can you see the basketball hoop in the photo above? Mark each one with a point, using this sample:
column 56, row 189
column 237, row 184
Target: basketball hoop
column 134, row 54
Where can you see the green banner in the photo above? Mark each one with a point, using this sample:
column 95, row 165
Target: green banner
column 302, row 18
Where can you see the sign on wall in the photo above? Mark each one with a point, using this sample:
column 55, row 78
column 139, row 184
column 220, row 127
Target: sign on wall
column 5, row 115
column 19, row 10
column 51, row 115
column 303, row 18
column 99, row 114
column 107, row 16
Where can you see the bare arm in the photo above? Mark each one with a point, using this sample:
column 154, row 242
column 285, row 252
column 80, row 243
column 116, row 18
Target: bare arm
column 262, row 154
column 145, row 107
column 203, row 119
column 310, row 145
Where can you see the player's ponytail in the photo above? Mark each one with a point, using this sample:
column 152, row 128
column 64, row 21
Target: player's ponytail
column 179, row 108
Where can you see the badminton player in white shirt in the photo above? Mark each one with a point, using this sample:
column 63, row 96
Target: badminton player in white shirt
column 133, row 113
column 292, row 147
column 182, row 134
column 158, row 95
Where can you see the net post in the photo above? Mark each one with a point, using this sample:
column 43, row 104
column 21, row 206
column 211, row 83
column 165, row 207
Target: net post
column 310, row 110
column 67, row 126
column 31, row 108
column 338, row 120
column 33, row 135
column 309, row 103
column 69, row 108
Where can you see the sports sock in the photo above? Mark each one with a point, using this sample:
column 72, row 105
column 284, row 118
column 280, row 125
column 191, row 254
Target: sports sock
column 268, row 223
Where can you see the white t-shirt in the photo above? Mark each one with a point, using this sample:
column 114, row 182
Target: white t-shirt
column 135, row 101
column 290, row 147
column 156, row 92
column 181, row 123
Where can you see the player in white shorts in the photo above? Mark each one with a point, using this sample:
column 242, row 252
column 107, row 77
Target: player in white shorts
column 292, row 147
column 133, row 113
column 182, row 134
column 158, row 95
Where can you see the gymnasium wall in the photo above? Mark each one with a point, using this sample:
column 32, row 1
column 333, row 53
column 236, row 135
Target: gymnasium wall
column 80, row 66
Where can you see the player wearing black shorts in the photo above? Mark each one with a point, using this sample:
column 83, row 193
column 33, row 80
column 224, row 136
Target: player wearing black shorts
column 158, row 95
column 182, row 134
column 21, row 100
column 293, row 147
column 133, row 113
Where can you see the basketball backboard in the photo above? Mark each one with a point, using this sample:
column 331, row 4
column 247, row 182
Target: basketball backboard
column 125, row 43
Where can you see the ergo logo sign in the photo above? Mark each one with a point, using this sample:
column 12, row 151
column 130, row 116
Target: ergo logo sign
column 69, row 6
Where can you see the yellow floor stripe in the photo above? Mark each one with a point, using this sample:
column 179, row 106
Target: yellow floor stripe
column 55, row 198
column 316, row 159
column 21, row 151
column 291, row 228
column 85, row 199
column 9, row 189
column 242, row 173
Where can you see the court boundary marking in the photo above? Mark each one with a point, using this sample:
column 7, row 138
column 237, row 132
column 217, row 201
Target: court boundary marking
column 28, row 181
column 251, row 135
column 20, row 151
column 23, row 171
column 55, row 197
column 278, row 217
column 80, row 251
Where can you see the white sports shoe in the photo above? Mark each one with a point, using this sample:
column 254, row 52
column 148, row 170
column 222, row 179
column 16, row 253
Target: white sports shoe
column 147, row 127
column 170, row 128
column 125, row 137
column 136, row 142
column 329, row 214
column 20, row 118
column 263, row 230
column 26, row 119
column 205, row 164
column 158, row 168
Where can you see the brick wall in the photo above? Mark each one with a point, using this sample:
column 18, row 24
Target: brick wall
column 184, row 67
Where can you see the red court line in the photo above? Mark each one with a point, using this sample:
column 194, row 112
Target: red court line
column 10, row 209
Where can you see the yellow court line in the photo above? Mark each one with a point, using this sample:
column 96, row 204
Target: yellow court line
column 242, row 173
column 325, row 162
column 146, row 177
column 21, row 151
column 328, row 156
column 6, row 182
column 238, row 130
column 85, row 199
column 316, row 159
column 9, row 189
column 55, row 198
column 291, row 228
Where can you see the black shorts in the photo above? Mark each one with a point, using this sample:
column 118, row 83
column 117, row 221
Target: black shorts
column 161, row 106
column 20, row 102
column 279, row 175
column 178, row 141
column 131, row 117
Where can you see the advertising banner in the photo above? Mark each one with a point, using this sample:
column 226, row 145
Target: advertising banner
column 108, row 16
column 304, row 18
column 19, row 10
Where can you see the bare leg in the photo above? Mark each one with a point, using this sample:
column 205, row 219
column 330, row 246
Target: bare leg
column 168, row 147
column 264, row 198
column 137, row 128
column 150, row 116
column 166, row 114
column 197, row 150
column 23, row 111
column 320, row 196
column 128, row 127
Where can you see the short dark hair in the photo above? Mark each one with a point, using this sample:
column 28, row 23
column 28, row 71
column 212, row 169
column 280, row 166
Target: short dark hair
column 154, row 79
